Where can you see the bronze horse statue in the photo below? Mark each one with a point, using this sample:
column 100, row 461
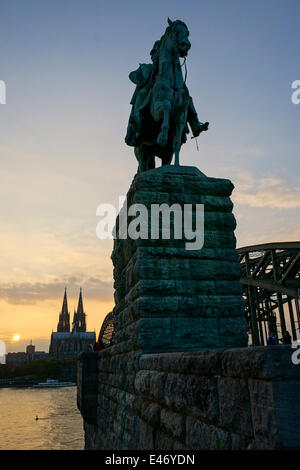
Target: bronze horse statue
column 162, row 106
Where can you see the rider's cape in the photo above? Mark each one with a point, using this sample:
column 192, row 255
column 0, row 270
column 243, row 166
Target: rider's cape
column 140, row 78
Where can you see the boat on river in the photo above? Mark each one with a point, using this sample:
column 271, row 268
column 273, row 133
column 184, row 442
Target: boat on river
column 53, row 383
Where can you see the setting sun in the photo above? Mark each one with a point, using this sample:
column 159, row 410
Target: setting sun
column 16, row 337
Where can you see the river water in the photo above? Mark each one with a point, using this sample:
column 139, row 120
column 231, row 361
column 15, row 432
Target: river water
column 59, row 426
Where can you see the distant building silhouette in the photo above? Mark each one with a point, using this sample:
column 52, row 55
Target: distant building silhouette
column 16, row 358
column 66, row 344
column 30, row 350
column 19, row 358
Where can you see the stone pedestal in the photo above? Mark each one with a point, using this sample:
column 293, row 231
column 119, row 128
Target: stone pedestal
column 175, row 302
column 169, row 298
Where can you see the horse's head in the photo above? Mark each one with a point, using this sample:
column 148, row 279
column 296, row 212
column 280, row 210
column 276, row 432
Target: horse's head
column 177, row 35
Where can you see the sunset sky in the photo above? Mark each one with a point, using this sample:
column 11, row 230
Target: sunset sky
column 62, row 150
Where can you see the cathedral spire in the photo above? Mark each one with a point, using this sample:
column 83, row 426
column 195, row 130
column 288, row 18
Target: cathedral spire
column 64, row 309
column 79, row 323
column 75, row 321
column 64, row 317
column 80, row 304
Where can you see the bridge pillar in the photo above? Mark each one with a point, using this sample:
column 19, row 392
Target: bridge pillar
column 169, row 297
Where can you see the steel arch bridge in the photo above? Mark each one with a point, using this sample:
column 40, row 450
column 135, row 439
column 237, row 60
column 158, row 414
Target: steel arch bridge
column 106, row 332
column 270, row 274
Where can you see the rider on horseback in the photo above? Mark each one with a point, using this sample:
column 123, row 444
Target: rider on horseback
column 143, row 78
column 162, row 107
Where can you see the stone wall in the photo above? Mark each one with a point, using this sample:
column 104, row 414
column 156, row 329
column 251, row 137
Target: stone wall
column 244, row 398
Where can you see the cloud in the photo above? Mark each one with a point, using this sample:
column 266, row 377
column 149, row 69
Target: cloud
column 270, row 192
column 28, row 293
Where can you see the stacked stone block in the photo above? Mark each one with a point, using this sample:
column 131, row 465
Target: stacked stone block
column 169, row 298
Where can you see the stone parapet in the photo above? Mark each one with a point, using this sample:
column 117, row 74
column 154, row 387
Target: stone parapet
column 236, row 399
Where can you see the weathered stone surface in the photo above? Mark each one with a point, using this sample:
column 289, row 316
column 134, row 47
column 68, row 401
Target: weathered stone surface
column 169, row 287
column 257, row 444
column 146, row 436
column 173, row 424
column 199, row 363
column 286, row 399
column 169, row 298
column 167, row 181
column 150, row 413
column 211, row 203
column 201, row 436
column 157, row 386
column 179, row 333
column 239, row 442
column 263, row 411
column 87, row 381
column 235, row 410
column 152, row 266
column 142, row 382
column 192, row 394
column 214, row 399
column 260, row 362
column 164, row 441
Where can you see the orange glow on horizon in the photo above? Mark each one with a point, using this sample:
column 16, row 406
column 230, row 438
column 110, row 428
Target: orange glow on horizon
column 36, row 321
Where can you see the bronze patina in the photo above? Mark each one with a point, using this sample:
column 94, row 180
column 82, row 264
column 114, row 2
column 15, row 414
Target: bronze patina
column 162, row 108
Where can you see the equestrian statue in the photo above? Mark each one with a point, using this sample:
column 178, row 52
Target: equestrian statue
column 162, row 107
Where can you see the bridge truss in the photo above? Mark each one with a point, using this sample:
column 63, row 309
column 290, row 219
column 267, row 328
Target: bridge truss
column 270, row 274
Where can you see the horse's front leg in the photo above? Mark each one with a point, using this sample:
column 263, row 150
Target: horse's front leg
column 161, row 106
column 177, row 142
column 141, row 158
column 180, row 123
column 162, row 138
